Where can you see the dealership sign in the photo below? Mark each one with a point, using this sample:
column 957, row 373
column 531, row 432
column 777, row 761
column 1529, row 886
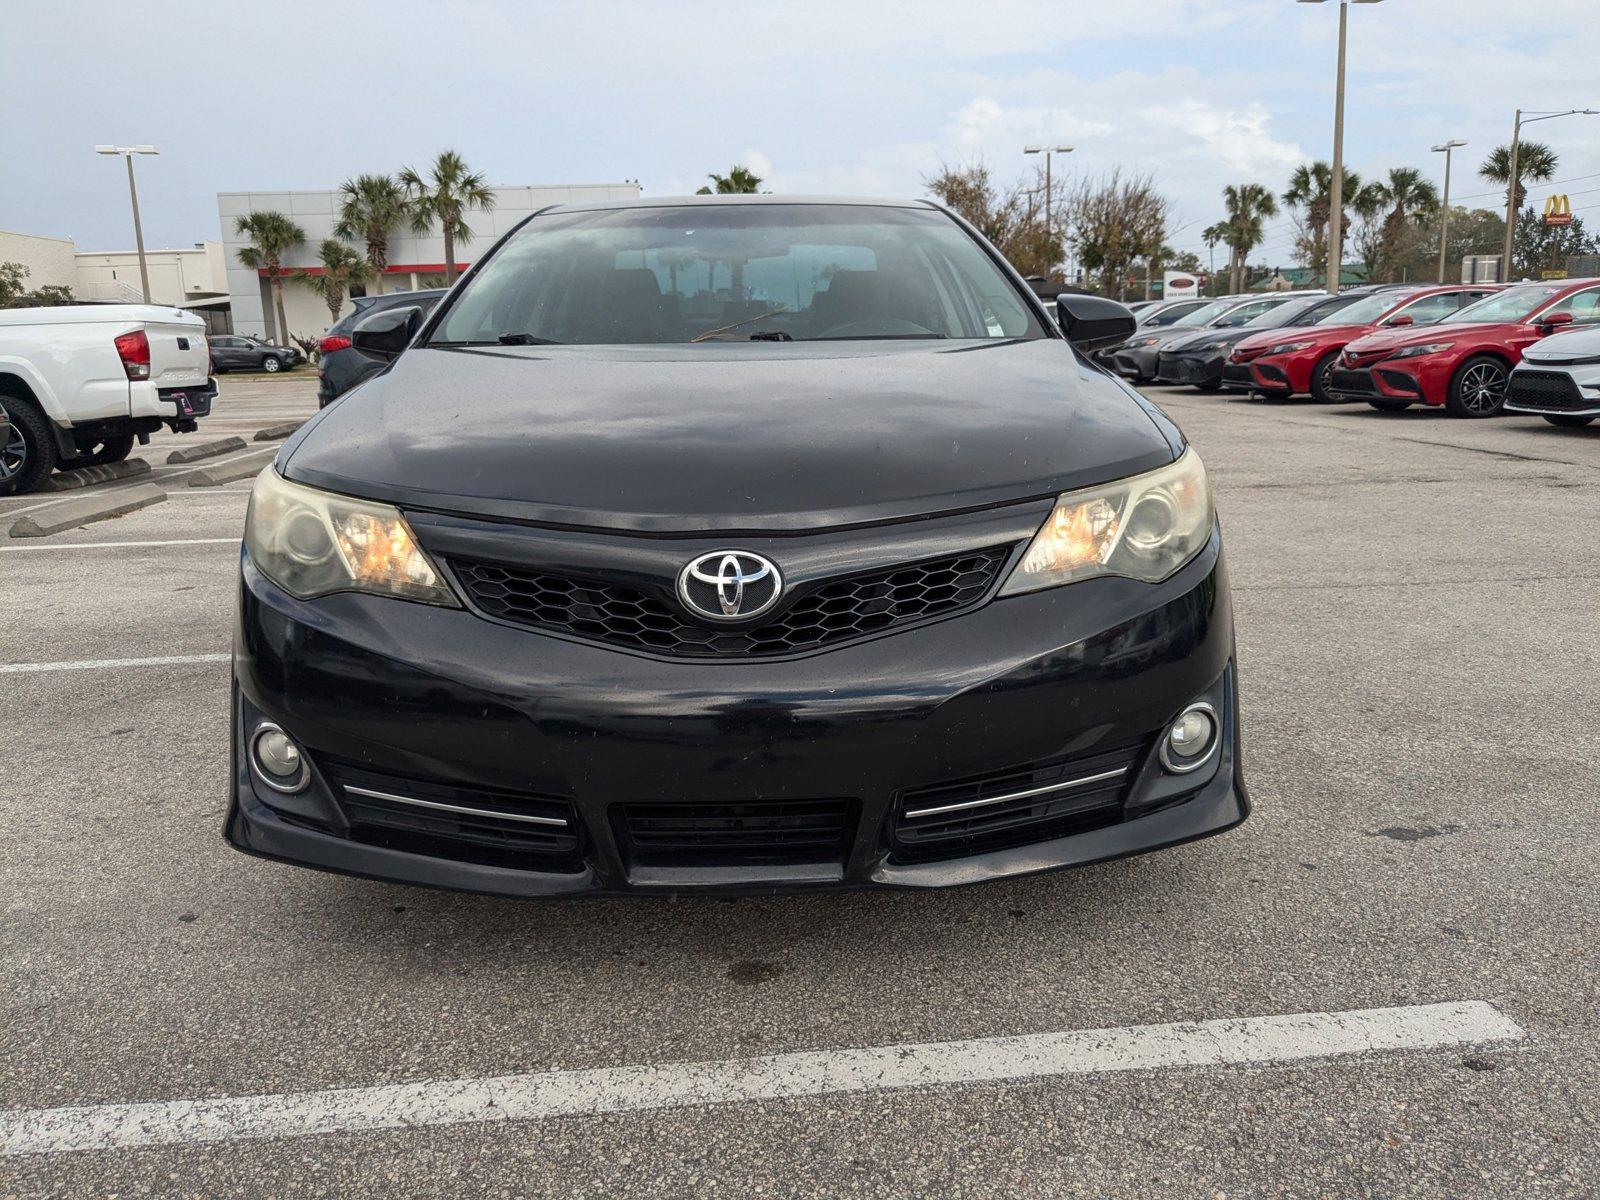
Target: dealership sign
column 1176, row 285
column 1558, row 211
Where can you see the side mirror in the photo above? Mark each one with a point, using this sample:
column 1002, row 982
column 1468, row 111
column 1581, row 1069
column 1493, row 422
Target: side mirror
column 385, row 334
column 1402, row 319
column 1555, row 320
column 1093, row 322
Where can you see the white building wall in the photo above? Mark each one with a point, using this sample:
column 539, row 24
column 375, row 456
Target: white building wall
column 176, row 276
column 316, row 212
column 49, row 261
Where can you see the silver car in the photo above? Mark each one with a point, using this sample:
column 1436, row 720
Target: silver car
column 1559, row 379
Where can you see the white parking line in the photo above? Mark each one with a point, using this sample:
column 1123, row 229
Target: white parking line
column 119, row 545
column 105, row 664
column 1251, row 1040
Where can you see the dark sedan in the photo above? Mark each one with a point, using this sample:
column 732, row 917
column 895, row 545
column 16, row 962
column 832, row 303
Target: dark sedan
column 1202, row 360
column 236, row 352
column 735, row 544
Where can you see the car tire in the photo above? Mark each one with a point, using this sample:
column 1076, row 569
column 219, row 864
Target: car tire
column 98, row 452
column 27, row 447
column 271, row 364
column 1322, row 378
column 1390, row 405
column 1478, row 388
column 1568, row 422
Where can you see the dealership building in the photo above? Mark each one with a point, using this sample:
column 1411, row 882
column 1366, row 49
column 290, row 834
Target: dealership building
column 415, row 260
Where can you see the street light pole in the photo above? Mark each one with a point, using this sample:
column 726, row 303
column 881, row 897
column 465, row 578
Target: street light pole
column 1515, row 175
column 127, row 153
column 1336, row 186
column 1049, row 210
column 1444, row 209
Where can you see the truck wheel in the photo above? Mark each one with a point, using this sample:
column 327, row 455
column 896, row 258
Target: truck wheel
column 271, row 365
column 27, row 449
column 1322, row 378
column 1479, row 388
column 1568, row 422
column 95, row 453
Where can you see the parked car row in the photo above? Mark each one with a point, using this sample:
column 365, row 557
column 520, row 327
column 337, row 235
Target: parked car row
column 1474, row 350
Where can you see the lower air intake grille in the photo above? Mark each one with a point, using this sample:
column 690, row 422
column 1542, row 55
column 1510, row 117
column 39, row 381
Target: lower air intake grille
column 469, row 824
column 1546, row 391
column 713, row 833
column 1012, row 808
column 836, row 610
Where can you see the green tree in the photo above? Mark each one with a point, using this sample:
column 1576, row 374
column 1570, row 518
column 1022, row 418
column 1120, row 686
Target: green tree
column 1537, row 247
column 1310, row 194
column 1116, row 221
column 13, row 283
column 341, row 267
column 1010, row 217
column 445, row 196
column 738, row 181
column 1535, row 161
column 371, row 206
column 1248, row 205
column 272, row 235
column 1399, row 204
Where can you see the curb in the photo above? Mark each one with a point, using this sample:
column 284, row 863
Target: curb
column 81, row 477
column 85, row 510
column 275, row 433
column 226, row 473
column 191, row 454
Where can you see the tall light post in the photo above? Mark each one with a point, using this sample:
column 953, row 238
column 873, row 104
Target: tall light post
column 127, row 153
column 1336, row 187
column 1444, row 209
column 1049, row 152
column 1511, row 183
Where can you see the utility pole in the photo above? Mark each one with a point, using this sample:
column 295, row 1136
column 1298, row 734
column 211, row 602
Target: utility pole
column 1049, row 208
column 1516, row 174
column 127, row 153
column 1444, row 209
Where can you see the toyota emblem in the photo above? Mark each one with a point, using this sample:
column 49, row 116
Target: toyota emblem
column 729, row 585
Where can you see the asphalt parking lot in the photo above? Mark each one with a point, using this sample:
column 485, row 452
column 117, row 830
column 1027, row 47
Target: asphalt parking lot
column 1416, row 599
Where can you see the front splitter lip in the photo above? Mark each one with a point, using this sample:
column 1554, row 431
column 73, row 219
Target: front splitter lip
column 258, row 831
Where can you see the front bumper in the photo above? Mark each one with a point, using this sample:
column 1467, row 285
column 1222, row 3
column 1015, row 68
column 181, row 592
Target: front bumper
column 1050, row 686
column 1554, row 391
column 1136, row 362
column 1200, row 370
column 1380, row 382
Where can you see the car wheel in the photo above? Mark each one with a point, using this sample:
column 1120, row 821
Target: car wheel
column 98, row 452
column 271, row 365
column 27, row 449
column 1322, row 379
column 1567, row 422
column 1479, row 388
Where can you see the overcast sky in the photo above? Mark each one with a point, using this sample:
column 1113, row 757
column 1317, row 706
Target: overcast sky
column 817, row 96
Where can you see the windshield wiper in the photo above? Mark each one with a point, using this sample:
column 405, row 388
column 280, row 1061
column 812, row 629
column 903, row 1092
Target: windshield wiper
column 885, row 337
column 505, row 339
column 711, row 333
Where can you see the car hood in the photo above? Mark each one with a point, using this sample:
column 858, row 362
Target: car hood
column 1565, row 347
column 1204, row 337
column 1321, row 334
column 1421, row 335
column 728, row 437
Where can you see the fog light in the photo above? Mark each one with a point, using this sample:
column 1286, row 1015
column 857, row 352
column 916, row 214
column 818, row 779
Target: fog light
column 1190, row 739
column 278, row 760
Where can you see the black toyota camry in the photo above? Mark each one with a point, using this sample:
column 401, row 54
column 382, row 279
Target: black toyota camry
column 733, row 544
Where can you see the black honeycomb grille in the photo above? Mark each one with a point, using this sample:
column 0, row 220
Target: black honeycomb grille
column 826, row 614
column 1543, row 390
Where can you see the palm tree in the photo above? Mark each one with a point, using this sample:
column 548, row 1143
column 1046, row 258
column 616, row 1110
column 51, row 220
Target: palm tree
column 738, row 181
column 341, row 267
column 1311, row 188
column 372, row 205
column 1248, row 206
column 1535, row 161
column 446, row 195
column 1410, row 200
column 272, row 235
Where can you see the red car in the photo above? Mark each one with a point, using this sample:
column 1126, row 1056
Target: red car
column 1463, row 362
column 1293, row 362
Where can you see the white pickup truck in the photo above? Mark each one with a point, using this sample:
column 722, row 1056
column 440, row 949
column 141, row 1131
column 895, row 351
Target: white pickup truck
column 79, row 383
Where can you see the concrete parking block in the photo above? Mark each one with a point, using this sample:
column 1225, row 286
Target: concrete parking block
column 214, row 449
column 275, row 433
column 85, row 510
column 230, row 472
column 80, row 477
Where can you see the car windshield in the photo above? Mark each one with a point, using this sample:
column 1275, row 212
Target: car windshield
column 1290, row 312
column 774, row 272
column 1514, row 304
column 1366, row 310
column 1204, row 316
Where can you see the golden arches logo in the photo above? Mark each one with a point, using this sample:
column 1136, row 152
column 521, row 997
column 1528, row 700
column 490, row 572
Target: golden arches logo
column 1558, row 211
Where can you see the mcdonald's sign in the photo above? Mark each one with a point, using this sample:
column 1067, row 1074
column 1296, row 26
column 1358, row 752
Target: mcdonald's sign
column 1558, row 211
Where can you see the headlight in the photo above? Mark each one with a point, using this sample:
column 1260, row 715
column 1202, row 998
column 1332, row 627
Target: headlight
column 1286, row 348
column 311, row 543
column 1217, row 345
column 1146, row 341
column 1419, row 351
column 1142, row 528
